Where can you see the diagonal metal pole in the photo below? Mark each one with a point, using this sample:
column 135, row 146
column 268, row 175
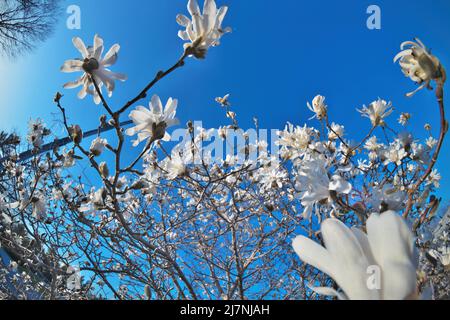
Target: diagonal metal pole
column 27, row 155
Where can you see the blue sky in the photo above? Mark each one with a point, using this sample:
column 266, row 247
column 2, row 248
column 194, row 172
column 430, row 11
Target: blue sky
column 279, row 56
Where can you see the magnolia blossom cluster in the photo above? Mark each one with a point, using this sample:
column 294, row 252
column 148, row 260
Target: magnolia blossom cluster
column 29, row 267
column 335, row 171
column 37, row 133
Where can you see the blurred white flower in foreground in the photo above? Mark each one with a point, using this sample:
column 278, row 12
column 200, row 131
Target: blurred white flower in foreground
column 151, row 124
column 350, row 255
column 419, row 64
column 377, row 111
column 93, row 65
column 318, row 107
column 204, row 30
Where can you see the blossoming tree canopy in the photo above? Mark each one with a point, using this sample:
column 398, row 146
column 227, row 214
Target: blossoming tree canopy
column 160, row 212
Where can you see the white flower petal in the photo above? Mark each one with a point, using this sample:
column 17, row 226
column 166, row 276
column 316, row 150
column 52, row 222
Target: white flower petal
column 351, row 263
column 79, row 44
column 326, row 291
column 314, row 254
column 72, row 66
column 111, row 56
column 392, row 245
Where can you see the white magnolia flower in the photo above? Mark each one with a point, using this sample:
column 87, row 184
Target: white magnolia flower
column 420, row 152
column 379, row 265
column 404, row 118
column 231, row 115
column 97, row 201
column 419, row 64
column 39, row 207
column 386, row 198
column 372, row 144
column 377, row 111
column 224, row 101
column 97, row 146
column 222, row 132
column 395, row 153
column 151, row 124
column 204, row 30
column 443, row 256
column 373, row 156
column 318, row 107
column 336, row 132
column 13, row 265
column 272, row 177
column 317, row 186
column 36, row 133
column 297, row 138
column 176, row 166
column 92, row 64
column 4, row 206
column 103, row 170
column 68, row 160
column 57, row 194
column 431, row 142
column 434, row 178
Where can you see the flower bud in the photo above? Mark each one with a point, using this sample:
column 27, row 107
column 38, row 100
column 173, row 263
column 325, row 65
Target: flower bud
column 137, row 185
column 97, row 146
column 57, row 97
column 76, row 134
column 104, row 170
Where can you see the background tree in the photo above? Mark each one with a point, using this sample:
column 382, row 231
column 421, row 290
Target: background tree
column 25, row 23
